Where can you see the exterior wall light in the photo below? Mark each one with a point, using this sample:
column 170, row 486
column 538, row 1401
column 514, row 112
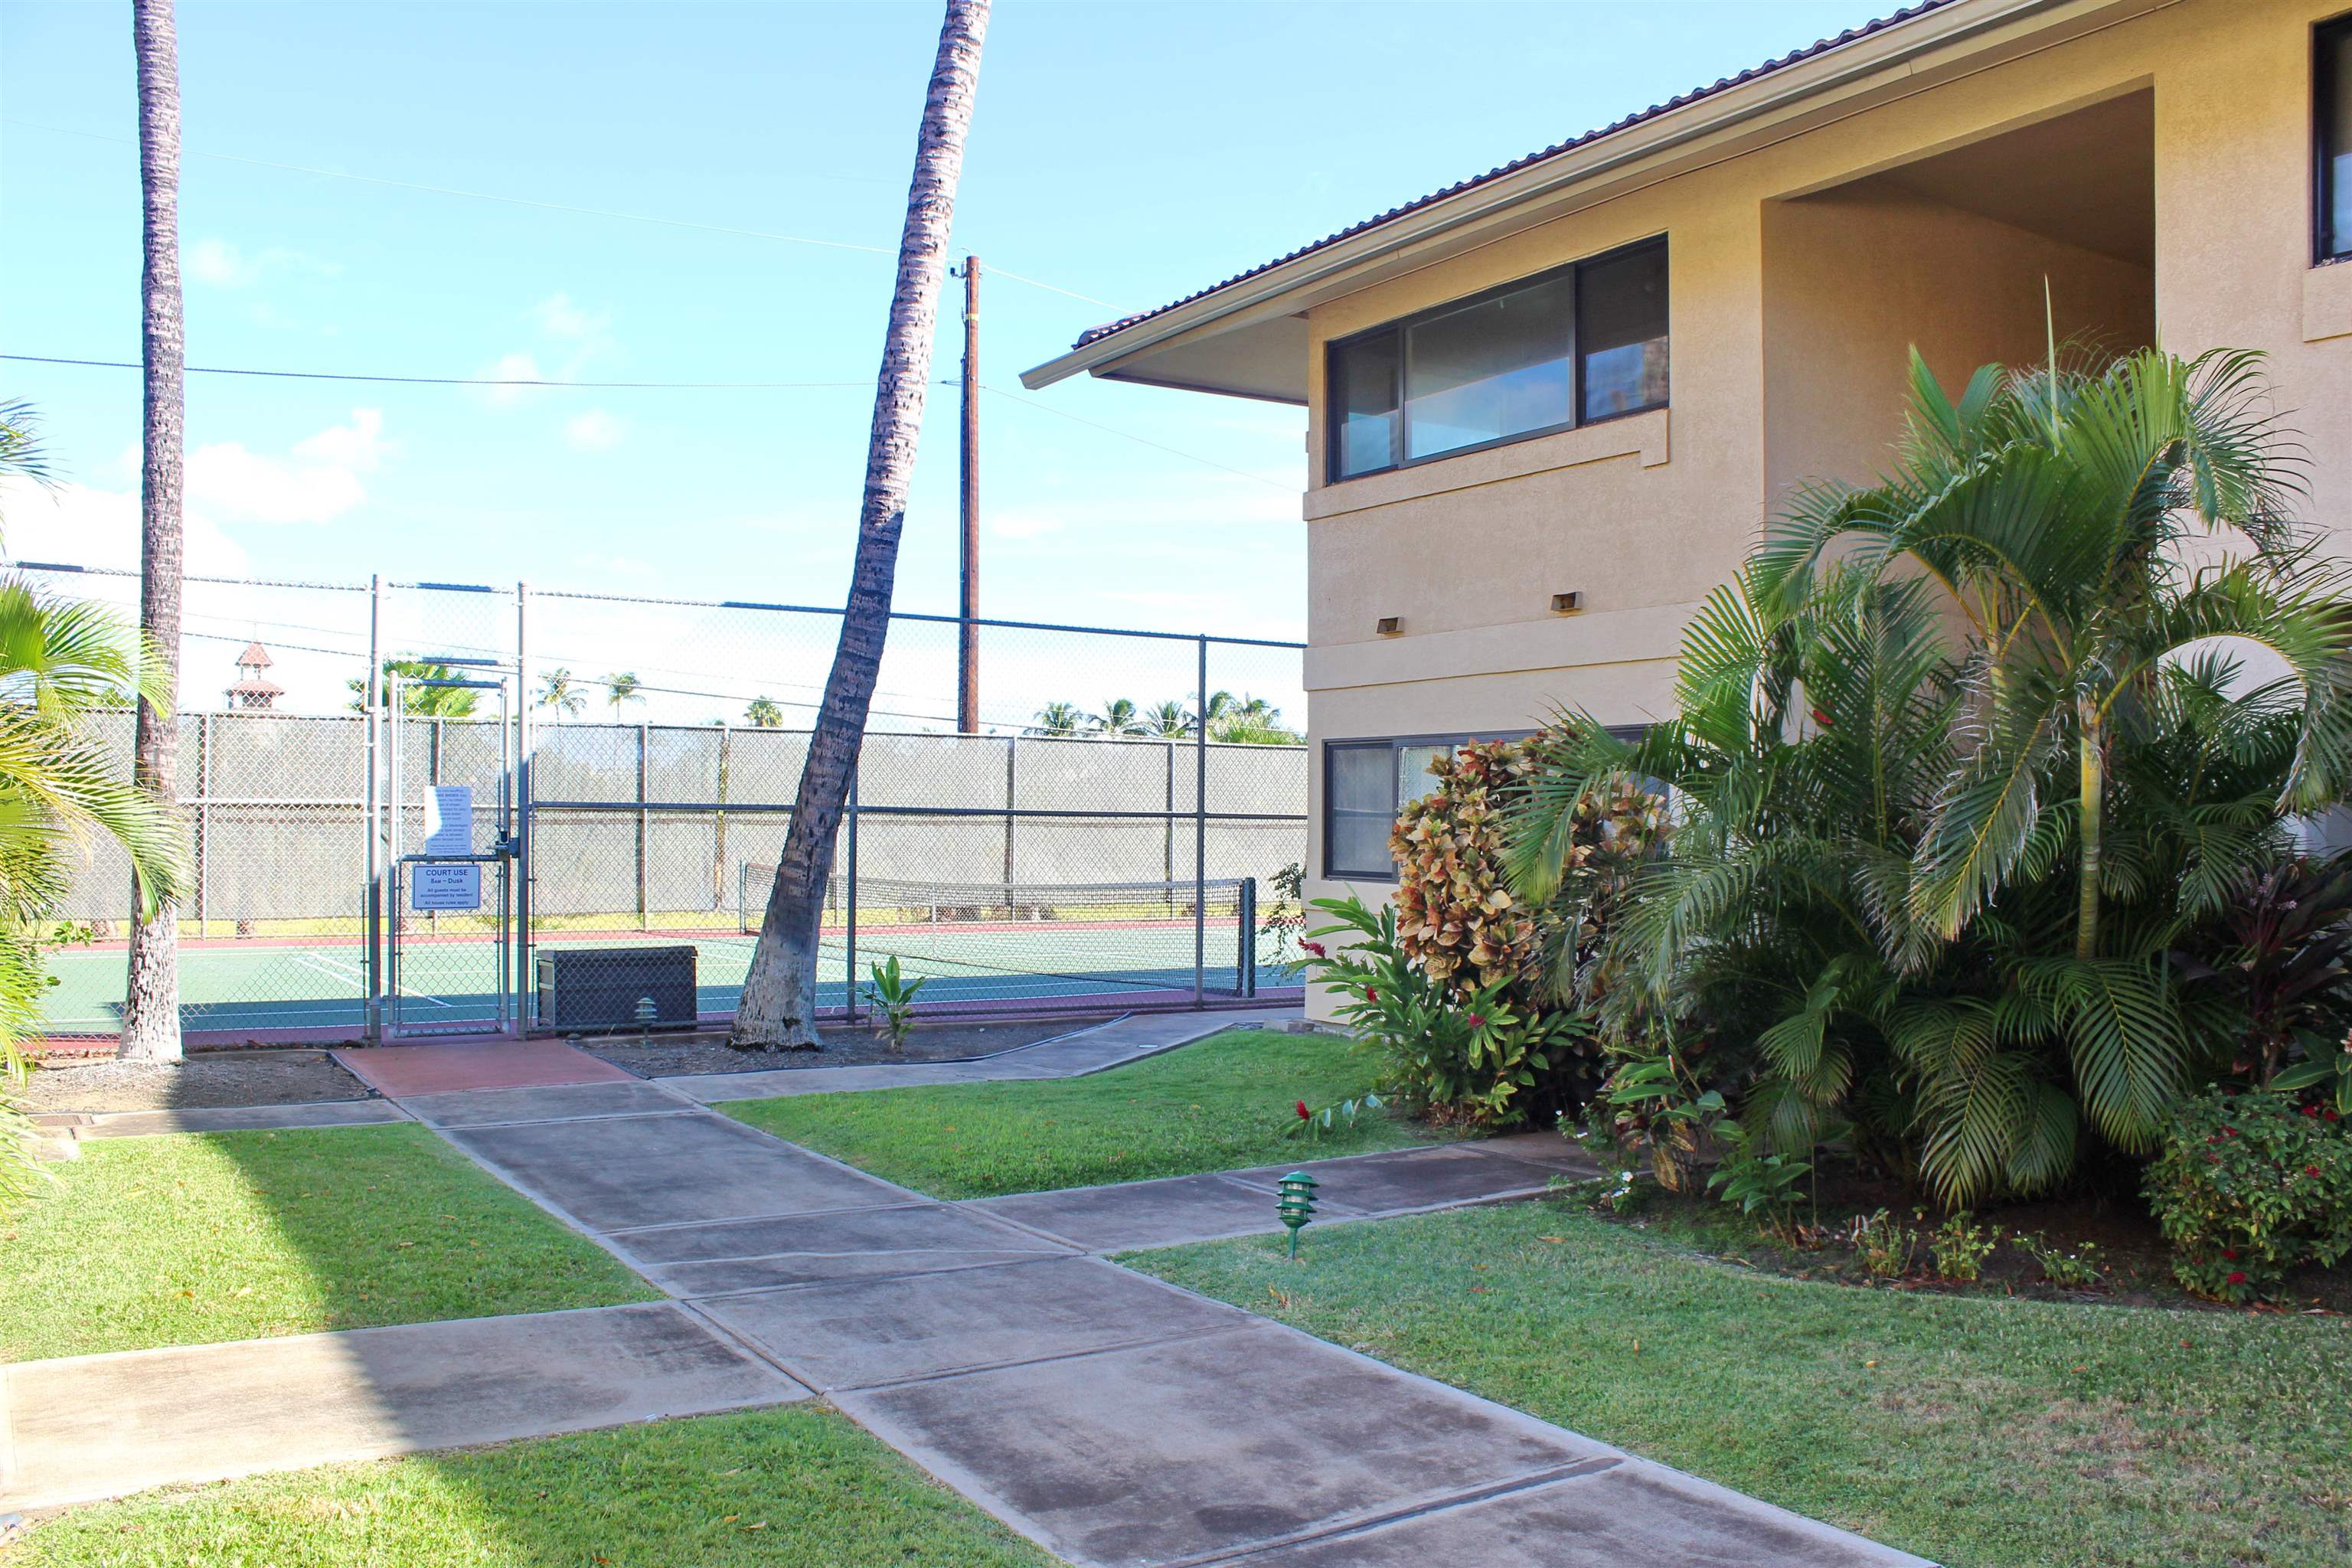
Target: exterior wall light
column 1389, row 626
column 1295, row 1203
column 1568, row 604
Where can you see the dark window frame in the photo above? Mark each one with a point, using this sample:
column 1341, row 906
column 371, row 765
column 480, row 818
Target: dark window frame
column 1400, row 327
column 1391, row 744
column 2324, row 89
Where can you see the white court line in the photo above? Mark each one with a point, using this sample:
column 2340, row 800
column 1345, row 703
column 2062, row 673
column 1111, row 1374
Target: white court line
column 337, row 970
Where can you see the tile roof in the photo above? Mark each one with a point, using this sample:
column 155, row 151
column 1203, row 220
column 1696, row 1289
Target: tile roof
column 1095, row 334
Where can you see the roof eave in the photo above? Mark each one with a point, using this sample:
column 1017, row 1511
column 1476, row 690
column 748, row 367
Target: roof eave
column 1890, row 50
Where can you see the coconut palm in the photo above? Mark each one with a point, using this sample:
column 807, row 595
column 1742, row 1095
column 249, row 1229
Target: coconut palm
column 778, row 1009
column 417, row 702
column 1118, row 717
column 621, row 687
column 763, row 714
column 1168, row 721
column 1059, row 719
column 151, row 1005
column 560, row 691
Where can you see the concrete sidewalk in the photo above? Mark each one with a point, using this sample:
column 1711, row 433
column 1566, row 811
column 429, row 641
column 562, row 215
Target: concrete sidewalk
column 1112, row 1417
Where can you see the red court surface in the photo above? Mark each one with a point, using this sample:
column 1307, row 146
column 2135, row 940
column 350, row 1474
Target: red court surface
column 397, row 1071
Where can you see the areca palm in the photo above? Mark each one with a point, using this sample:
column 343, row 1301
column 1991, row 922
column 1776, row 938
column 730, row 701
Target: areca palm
column 1931, row 877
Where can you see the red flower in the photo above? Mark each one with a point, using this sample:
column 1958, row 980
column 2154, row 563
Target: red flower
column 2310, row 1111
column 2311, row 1170
column 1304, row 1114
column 2230, row 1132
column 2331, row 1116
column 2238, row 1277
column 1477, row 1022
column 1371, row 994
column 1821, row 719
column 2230, row 1253
column 1315, row 948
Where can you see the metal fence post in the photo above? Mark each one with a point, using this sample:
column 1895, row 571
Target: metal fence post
column 1246, row 959
column 203, row 817
column 1012, row 808
column 1167, row 826
column 645, row 819
column 370, row 810
column 1201, row 835
column 519, row 886
column 849, row 899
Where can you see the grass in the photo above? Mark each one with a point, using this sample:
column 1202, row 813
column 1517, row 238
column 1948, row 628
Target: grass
column 194, row 1238
column 1222, row 1103
column 801, row 1485
column 1971, row 1430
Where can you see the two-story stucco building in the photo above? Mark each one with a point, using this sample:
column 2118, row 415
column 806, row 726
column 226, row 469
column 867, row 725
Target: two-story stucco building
column 1549, row 407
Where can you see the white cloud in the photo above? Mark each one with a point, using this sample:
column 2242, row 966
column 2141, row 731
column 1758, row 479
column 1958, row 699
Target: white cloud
column 1023, row 525
column 510, row 367
column 223, row 266
column 85, row 527
column 557, row 316
column 318, row 482
column 595, row 431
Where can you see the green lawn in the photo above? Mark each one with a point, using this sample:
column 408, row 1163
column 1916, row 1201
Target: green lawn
column 1973, row 1431
column 191, row 1238
column 801, row 1486
column 1222, row 1103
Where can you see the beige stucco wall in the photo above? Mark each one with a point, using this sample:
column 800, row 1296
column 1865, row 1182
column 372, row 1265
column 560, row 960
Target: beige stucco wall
column 1790, row 312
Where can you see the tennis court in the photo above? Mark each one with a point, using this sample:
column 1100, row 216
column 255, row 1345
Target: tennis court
column 318, row 987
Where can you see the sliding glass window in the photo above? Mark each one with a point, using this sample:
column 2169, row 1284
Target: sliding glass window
column 1584, row 343
column 2331, row 121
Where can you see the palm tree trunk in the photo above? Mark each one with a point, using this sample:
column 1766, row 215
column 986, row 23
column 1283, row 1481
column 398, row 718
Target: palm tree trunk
column 778, row 1011
column 2093, row 742
column 151, row 1010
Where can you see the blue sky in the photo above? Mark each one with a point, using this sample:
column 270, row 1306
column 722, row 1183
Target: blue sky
column 1126, row 152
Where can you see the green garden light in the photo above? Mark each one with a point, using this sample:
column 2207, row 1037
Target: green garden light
column 1296, row 1205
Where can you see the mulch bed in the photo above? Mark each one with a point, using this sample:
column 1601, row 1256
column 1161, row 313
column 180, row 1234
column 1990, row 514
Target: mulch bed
column 284, row 1077
column 666, row 1057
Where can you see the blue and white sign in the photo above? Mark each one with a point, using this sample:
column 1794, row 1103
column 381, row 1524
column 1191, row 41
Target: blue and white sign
column 448, row 820
column 434, row 887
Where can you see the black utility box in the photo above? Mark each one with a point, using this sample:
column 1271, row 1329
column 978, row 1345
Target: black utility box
column 582, row 988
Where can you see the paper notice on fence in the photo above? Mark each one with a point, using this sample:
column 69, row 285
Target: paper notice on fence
column 434, row 887
column 449, row 820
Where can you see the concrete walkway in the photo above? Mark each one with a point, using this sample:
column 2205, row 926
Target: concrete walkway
column 1112, row 1417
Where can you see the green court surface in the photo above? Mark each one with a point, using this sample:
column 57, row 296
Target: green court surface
column 318, row 986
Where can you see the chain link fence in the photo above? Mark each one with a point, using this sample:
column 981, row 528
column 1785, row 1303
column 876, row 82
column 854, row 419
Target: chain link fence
column 1073, row 838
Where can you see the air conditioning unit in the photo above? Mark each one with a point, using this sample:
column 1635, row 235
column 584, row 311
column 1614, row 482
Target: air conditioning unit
column 582, row 989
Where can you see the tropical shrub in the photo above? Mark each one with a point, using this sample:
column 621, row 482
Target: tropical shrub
column 1958, row 760
column 1458, row 1055
column 1959, row 1246
column 2249, row 1187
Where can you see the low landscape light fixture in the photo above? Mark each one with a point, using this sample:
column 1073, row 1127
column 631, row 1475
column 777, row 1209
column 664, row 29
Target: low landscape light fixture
column 1295, row 1206
column 648, row 1012
column 1568, row 604
column 1389, row 626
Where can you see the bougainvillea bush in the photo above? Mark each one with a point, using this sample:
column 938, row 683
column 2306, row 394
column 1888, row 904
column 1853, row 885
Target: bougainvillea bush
column 2250, row 1187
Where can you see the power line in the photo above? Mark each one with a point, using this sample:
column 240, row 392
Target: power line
column 453, row 380
column 1130, row 435
column 560, row 207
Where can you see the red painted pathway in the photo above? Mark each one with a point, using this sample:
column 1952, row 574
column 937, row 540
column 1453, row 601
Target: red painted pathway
column 397, row 1071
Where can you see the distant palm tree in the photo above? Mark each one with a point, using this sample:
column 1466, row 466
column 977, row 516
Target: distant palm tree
column 1251, row 721
column 417, row 702
column 1168, row 721
column 558, row 690
column 620, row 686
column 1059, row 719
column 1118, row 717
column 763, row 714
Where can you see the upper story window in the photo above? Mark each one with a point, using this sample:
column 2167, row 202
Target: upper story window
column 1584, row 342
column 2331, row 82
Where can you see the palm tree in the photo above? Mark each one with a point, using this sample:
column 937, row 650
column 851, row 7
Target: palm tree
column 417, row 702
column 763, row 714
column 623, row 687
column 1118, row 717
column 560, row 691
column 150, row 1007
column 1168, row 721
column 779, row 1004
column 1059, row 719
column 60, row 663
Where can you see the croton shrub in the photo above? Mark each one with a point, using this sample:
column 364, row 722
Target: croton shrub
column 2250, row 1187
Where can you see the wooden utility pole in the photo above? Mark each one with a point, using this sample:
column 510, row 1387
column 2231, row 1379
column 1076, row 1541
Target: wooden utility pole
column 968, row 635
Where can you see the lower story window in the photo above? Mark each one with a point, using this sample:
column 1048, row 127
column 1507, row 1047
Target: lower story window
column 1365, row 784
